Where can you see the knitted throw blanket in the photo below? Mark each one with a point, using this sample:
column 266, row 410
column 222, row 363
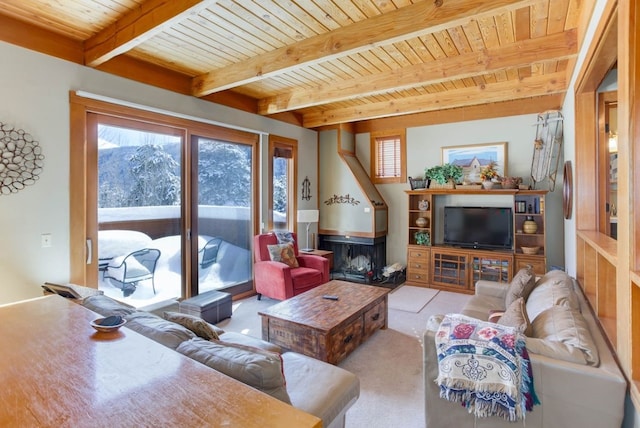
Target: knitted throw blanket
column 485, row 367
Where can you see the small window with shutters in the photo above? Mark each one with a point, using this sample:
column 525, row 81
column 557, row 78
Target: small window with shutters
column 388, row 157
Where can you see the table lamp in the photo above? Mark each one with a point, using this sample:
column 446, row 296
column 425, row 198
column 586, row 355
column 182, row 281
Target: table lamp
column 308, row 216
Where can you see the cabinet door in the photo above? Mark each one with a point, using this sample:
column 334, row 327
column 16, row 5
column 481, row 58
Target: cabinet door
column 449, row 270
column 491, row 268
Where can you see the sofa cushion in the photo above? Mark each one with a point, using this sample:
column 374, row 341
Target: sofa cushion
column 563, row 333
column 283, row 253
column 255, row 367
column 516, row 316
column 521, row 285
column 200, row 327
column 480, row 306
column 106, row 306
column 245, row 339
column 162, row 331
column 554, row 288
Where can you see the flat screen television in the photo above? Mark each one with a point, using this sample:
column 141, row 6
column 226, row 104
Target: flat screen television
column 478, row 227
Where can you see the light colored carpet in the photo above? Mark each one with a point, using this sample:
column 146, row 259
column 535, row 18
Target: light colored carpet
column 389, row 363
column 411, row 299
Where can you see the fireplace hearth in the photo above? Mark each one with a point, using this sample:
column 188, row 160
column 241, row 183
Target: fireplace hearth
column 356, row 259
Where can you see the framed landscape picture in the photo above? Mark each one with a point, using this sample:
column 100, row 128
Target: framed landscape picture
column 475, row 156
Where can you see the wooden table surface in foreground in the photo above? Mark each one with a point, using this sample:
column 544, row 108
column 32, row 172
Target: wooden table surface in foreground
column 328, row 330
column 57, row 371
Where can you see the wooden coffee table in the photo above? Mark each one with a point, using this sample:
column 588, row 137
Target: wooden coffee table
column 328, row 330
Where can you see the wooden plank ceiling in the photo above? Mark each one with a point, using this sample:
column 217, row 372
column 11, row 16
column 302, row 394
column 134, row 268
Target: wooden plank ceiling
column 323, row 62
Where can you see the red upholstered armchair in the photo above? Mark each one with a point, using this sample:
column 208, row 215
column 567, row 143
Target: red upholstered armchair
column 280, row 281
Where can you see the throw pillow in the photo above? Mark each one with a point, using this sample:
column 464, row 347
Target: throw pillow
column 521, row 285
column 255, row 367
column 200, row 327
column 284, row 236
column 516, row 316
column 156, row 328
column 562, row 332
column 283, row 253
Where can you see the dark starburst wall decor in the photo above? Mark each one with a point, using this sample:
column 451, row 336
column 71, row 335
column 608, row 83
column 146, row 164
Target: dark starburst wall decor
column 21, row 159
column 346, row 199
column 306, row 189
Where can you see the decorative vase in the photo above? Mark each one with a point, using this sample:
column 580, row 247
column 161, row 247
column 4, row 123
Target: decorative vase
column 487, row 184
column 422, row 222
column 529, row 225
column 423, row 205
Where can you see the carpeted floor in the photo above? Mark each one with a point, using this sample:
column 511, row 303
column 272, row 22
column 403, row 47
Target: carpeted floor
column 389, row 363
column 411, row 299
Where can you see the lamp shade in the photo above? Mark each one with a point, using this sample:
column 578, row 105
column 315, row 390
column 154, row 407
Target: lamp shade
column 308, row 216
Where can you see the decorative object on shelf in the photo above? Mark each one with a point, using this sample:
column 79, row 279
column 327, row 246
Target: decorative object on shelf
column 422, row 238
column 423, row 205
column 473, row 157
column 417, row 183
column 469, row 186
column 443, row 176
column 530, row 225
column 567, row 190
column 21, row 159
column 487, row 184
column 530, row 250
column 511, row 182
column 422, row 222
column 346, row 199
column 547, row 148
column 489, row 172
column 306, row 189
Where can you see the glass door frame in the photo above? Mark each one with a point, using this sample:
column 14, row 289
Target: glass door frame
column 83, row 227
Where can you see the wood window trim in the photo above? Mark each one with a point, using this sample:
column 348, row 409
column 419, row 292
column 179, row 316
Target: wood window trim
column 286, row 144
column 375, row 137
column 83, row 225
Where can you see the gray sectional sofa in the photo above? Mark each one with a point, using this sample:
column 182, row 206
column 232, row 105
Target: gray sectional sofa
column 313, row 386
column 576, row 376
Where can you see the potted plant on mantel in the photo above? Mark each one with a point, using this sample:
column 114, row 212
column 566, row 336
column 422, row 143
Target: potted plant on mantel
column 488, row 174
column 443, row 176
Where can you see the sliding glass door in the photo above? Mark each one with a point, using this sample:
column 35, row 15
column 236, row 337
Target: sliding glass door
column 161, row 207
column 223, row 214
column 139, row 195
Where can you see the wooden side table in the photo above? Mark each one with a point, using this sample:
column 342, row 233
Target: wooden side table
column 322, row 253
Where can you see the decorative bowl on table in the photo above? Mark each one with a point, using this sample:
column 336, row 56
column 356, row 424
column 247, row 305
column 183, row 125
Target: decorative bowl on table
column 530, row 250
column 111, row 323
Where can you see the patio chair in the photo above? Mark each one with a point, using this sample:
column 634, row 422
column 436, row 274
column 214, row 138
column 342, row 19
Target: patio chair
column 209, row 252
column 133, row 268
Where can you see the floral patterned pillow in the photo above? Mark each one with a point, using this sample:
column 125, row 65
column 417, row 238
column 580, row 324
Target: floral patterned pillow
column 283, row 253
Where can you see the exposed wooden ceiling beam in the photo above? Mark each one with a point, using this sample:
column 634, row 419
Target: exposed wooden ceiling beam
column 407, row 22
column 141, row 24
column 462, row 114
column 488, row 93
column 519, row 54
column 39, row 39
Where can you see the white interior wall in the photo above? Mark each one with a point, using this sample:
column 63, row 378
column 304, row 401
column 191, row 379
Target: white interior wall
column 35, row 97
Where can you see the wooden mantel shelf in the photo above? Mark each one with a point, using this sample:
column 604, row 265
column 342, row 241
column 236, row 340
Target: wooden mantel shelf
column 484, row 192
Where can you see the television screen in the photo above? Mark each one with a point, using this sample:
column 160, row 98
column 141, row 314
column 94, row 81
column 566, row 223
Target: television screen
column 478, row 227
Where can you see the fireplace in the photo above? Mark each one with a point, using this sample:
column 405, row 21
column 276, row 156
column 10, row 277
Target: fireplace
column 356, row 259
